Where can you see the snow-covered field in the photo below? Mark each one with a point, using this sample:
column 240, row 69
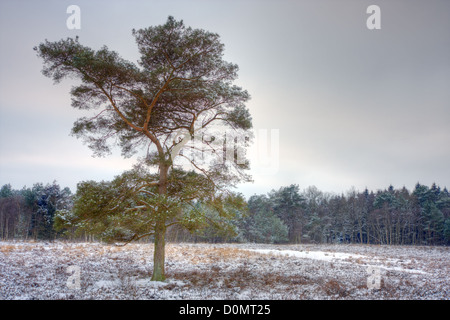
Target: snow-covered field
column 60, row 270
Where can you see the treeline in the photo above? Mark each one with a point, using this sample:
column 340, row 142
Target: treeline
column 287, row 215
column 391, row 216
column 29, row 213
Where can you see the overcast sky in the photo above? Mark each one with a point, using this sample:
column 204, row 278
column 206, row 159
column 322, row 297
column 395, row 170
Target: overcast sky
column 352, row 107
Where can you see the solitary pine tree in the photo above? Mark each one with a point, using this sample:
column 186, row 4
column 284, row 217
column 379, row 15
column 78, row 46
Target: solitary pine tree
column 177, row 98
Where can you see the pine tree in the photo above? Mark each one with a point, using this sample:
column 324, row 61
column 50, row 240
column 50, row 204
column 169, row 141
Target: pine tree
column 180, row 95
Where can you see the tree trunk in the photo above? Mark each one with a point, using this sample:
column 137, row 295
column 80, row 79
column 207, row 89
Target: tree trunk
column 159, row 253
column 160, row 231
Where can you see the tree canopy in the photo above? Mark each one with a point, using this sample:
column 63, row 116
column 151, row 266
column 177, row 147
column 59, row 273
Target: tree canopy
column 181, row 84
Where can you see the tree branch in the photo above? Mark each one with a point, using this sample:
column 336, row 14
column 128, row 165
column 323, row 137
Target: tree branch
column 117, row 109
column 155, row 99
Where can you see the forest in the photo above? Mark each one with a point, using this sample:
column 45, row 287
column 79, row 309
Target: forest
column 287, row 215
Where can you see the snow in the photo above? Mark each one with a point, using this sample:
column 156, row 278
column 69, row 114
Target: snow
column 39, row 270
column 336, row 256
column 317, row 255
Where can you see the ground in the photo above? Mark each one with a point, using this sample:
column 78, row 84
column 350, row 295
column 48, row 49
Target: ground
column 60, row 270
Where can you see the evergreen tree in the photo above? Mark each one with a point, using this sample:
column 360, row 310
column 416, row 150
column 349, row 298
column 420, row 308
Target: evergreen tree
column 287, row 204
column 182, row 89
column 6, row 191
column 262, row 224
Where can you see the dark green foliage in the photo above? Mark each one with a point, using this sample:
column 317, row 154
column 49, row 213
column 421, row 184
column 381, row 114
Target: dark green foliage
column 288, row 205
column 262, row 224
column 30, row 212
column 6, row 191
column 386, row 217
column 431, row 201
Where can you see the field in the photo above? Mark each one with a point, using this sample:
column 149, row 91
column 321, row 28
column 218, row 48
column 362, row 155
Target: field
column 59, row 270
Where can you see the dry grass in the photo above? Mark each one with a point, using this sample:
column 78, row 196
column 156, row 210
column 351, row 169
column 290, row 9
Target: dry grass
column 239, row 279
column 202, row 255
column 333, row 287
column 7, row 248
column 15, row 247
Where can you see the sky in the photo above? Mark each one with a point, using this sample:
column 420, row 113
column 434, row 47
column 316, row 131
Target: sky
column 345, row 106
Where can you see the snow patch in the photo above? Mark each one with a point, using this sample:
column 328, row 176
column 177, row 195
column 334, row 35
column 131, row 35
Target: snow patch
column 316, row 255
column 339, row 257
